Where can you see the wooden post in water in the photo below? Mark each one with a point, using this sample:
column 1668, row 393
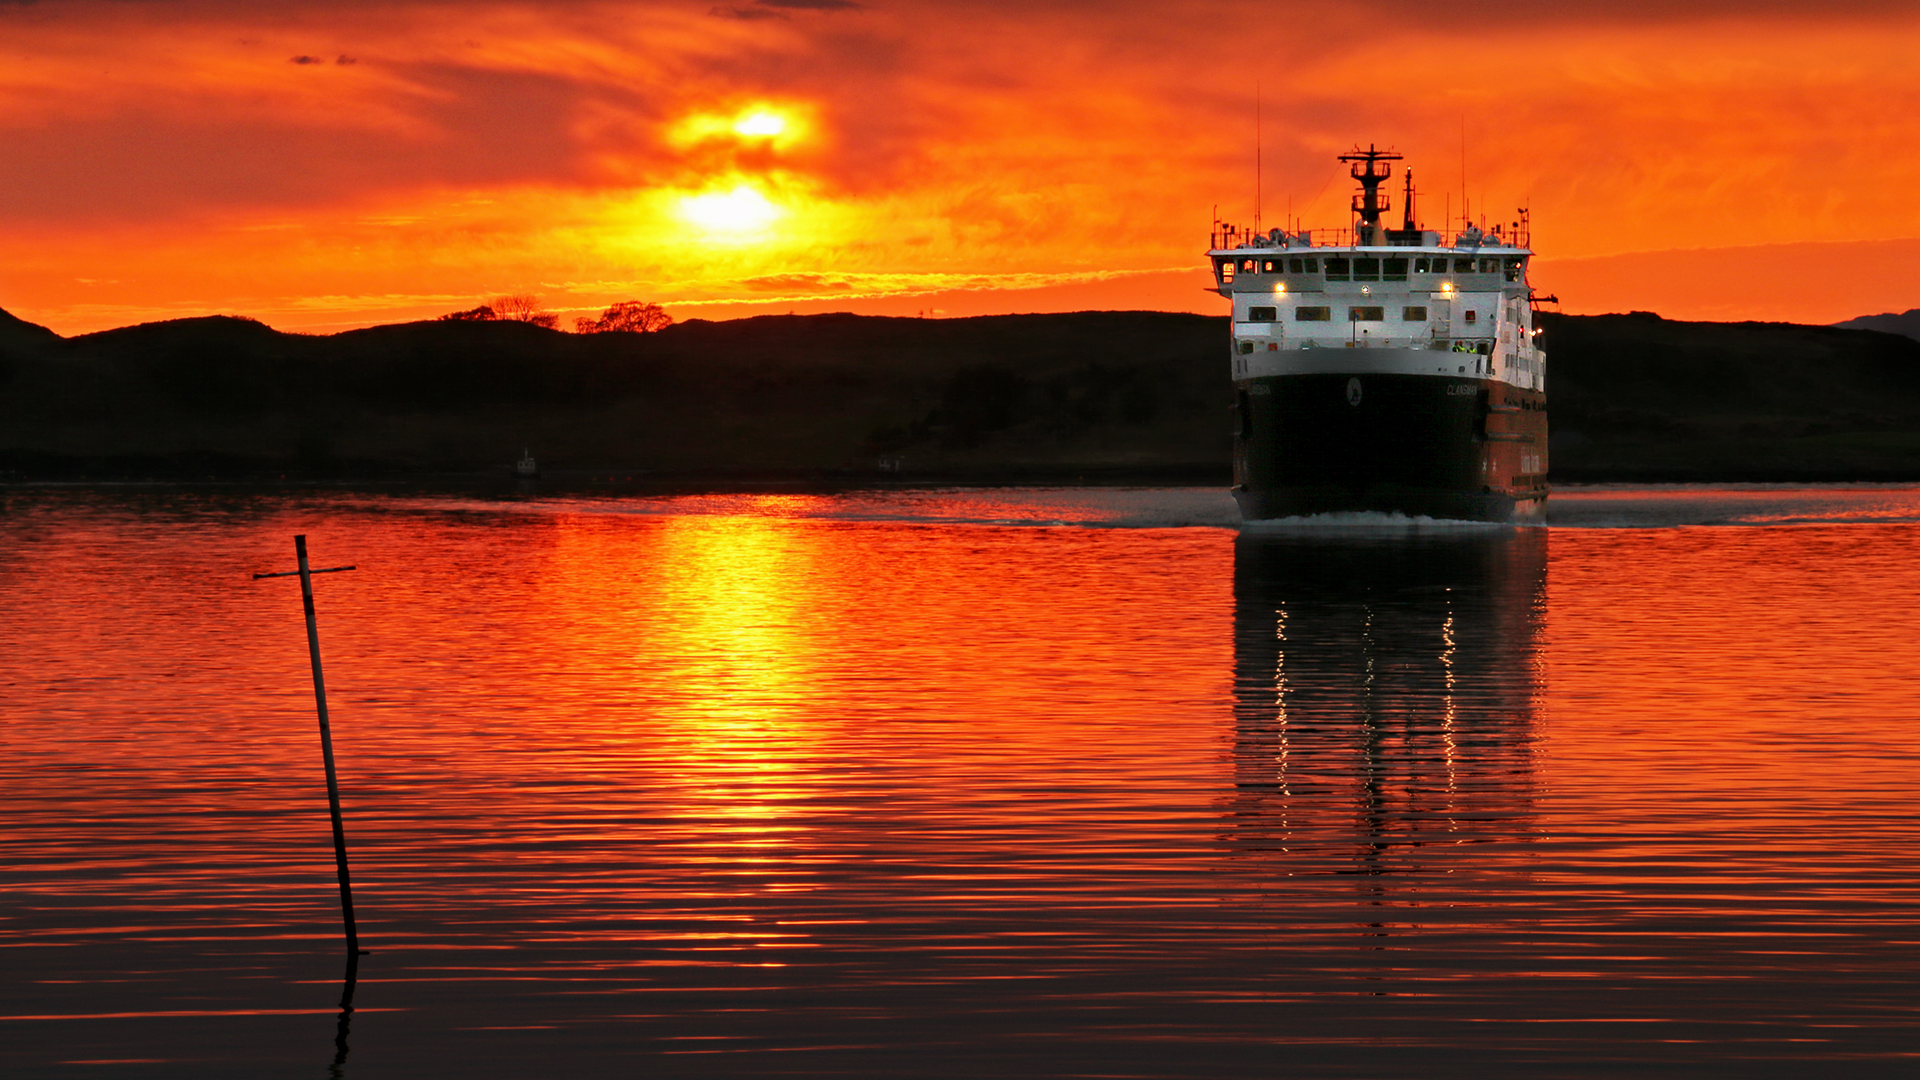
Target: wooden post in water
column 326, row 736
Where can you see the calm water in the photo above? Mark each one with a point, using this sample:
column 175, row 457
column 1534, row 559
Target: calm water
column 960, row 784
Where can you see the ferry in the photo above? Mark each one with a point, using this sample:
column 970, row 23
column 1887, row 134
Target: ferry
column 1389, row 370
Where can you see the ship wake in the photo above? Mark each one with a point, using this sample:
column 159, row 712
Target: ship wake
column 1364, row 521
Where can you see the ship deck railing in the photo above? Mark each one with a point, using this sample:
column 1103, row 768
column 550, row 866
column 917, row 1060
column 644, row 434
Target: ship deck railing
column 1233, row 238
column 1250, row 343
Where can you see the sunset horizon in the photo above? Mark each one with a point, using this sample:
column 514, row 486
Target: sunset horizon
column 322, row 169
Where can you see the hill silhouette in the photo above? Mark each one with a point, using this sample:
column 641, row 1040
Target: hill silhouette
column 1139, row 395
column 1638, row 397
column 784, row 395
column 1906, row 323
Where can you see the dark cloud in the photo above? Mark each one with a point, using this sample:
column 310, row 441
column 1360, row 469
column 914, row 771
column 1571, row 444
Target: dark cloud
column 777, row 9
column 1410, row 12
column 306, row 60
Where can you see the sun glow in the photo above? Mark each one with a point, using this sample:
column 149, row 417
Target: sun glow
column 760, row 124
column 742, row 210
column 776, row 128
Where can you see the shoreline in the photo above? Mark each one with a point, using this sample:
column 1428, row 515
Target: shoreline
column 1086, row 398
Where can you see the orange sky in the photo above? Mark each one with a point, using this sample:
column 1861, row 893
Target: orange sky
column 321, row 166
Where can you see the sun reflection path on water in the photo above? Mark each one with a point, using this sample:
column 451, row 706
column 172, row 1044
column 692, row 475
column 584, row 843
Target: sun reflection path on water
column 718, row 656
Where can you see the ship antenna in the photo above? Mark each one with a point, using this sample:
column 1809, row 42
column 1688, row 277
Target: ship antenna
column 1466, row 204
column 1371, row 167
column 1406, row 224
column 1259, row 185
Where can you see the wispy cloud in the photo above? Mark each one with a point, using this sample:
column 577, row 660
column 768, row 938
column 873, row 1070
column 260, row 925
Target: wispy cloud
column 806, row 288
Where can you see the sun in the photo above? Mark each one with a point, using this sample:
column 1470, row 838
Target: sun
column 740, row 211
column 761, row 123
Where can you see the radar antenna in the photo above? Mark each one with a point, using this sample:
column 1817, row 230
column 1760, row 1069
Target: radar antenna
column 1371, row 167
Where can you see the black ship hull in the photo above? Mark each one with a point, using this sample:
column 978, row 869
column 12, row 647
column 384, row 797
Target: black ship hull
column 1420, row 445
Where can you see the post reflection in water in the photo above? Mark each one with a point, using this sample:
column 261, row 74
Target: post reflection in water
column 347, row 984
column 1384, row 721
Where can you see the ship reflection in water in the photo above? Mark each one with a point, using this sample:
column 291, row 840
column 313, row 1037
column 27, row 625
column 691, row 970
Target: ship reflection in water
column 1384, row 720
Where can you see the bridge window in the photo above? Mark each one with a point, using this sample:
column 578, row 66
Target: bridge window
column 1463, row 266
column 1394, row 269
column 1366, row 314
column 1313, row 314
column 1248, row 267
column 1226, row 271
column 1338, row 269
column 1263, row 314
column 1366, row 269
column 1416, row 313
column 1269, row 266
column 1489, row 266
column 1513, row 269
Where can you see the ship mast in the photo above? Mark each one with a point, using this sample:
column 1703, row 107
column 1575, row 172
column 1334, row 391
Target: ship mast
column 1371, row 167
